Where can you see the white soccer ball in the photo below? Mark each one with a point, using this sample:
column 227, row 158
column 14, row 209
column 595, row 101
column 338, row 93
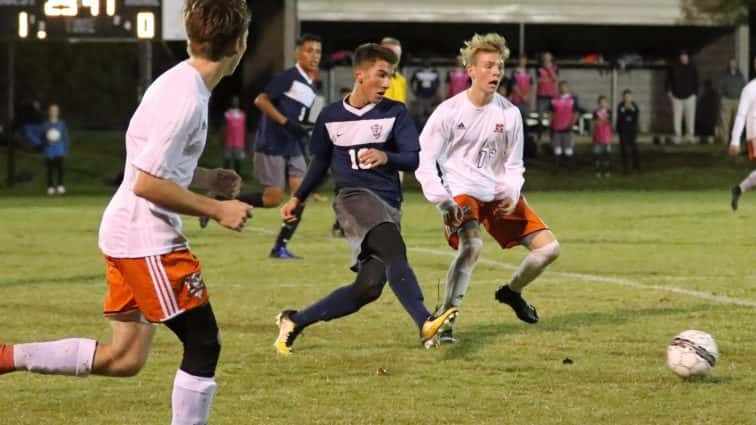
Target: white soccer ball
column 692, row 353
column 53, row 136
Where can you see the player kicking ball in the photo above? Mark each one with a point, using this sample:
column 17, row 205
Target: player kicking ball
column 365, row 139
column 471, row 168
column 152, row 276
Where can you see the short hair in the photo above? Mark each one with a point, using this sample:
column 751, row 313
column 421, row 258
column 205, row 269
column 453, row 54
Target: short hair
column 490, row 42
column 213, row 26
column 562, row 83
column 304, row 38
column 600, row 98
column 392, row 41
column 372, row 52
column 626, row 91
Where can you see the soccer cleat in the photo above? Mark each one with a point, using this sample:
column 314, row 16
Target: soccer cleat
column 61, row 190
column 736, row 192
column 282, row 253
column 6, row 359
column 524, row 311
column 446, row 337
column 287, row 332
column 203, row 221
column 434, row 323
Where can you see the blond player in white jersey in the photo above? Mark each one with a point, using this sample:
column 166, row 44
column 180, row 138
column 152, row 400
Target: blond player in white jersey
column 746, row 117
column 475, row 140
column 152, row 276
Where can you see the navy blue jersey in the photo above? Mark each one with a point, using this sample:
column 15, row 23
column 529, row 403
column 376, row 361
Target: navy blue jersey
column 343, row 131
column 292, row 93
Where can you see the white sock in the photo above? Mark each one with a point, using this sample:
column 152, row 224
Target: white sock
column 532, row 266
column 749, row 182
column 460, row 271
column 192, row 398
column 72, row 356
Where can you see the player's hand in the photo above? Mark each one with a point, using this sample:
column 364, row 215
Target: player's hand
column 287, row 211
column 453, row 214
column 505, row 207
column 295, row 129
column 233, row 214
column 371, row 158
column 734, row 150
column 224, row 183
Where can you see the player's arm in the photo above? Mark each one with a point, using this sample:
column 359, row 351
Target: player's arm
column 219, row 182
column 322, row 150
column 264, row 102
column 433, row 139
column 509, row 168
column 171, row 196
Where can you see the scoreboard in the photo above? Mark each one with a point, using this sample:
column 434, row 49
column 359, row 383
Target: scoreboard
column 80, row 19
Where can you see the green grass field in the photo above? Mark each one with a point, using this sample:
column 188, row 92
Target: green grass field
column 636, row 268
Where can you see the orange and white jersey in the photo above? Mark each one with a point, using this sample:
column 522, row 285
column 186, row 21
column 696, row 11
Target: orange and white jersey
column 746, row 116
column 165, row 138
column 478, row 151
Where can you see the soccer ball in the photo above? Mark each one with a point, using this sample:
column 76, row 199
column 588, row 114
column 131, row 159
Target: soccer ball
column 692, row 353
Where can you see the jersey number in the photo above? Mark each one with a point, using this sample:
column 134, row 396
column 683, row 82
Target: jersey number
column 354, row 156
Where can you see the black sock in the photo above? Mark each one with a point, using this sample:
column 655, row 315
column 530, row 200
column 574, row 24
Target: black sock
column 288, row 229
column 252, row 198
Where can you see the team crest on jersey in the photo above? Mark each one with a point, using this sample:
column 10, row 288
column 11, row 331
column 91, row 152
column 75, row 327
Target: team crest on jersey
column 461, row 126
column 195, row 284
column 499, row 128
column 377, row 130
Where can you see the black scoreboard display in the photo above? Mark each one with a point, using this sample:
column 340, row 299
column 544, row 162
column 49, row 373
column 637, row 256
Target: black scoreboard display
column 80, row 19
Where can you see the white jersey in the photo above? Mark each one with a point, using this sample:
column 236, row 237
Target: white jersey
column 165, row 138
column 746, row 115
column 478, row 151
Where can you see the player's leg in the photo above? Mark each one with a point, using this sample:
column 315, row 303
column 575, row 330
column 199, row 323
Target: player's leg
column 386, row 243
column 556, row 145
column 544, row 249
column 61, row 185
column 367, row 287
column 194, row 385
column 597, row 159
column 460, row 271
column 227, row 157
column 607, row 159
column 123, row 356
column 747, row 184
column 568, row 145
column 296, row 168
column 270, row 172
column 624, row 152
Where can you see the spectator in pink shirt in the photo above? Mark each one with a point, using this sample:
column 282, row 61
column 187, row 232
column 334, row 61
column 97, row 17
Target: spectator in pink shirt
column 602, row 138
column 548, row 77
column 234, row 136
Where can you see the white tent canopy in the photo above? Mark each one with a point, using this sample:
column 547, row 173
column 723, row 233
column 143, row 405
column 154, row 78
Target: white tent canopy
column 594, row 12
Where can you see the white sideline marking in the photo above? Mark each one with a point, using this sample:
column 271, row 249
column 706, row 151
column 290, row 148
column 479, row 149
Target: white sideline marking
column 609, row 280
column 584, row 277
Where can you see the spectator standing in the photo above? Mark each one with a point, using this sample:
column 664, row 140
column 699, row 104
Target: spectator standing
column 425, row 83
column 55, row 148
column 627, row 128
column 564, row 114
column 548, row 76
column 682, row 89
column 234, row 136
column 602, row 138
column 521, row 91
column 730, row 86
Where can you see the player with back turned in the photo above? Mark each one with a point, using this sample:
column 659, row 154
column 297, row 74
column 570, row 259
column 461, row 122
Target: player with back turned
column 152, row 276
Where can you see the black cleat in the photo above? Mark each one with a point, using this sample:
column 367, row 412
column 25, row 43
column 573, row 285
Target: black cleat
column 524, row 311
column 446, row 337
column 203, row 222
column 736, row 192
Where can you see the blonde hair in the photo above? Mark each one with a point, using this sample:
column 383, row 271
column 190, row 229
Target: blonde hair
column 490, row 42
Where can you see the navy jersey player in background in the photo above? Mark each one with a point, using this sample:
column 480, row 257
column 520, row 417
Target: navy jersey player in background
column 365, row 140
column 285, row 103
